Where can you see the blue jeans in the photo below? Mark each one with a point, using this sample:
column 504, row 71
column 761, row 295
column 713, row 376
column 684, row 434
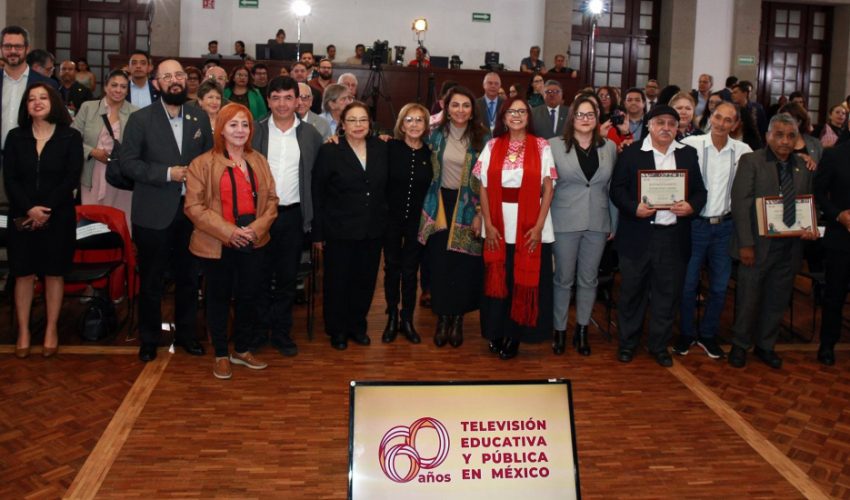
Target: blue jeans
column 709, row 242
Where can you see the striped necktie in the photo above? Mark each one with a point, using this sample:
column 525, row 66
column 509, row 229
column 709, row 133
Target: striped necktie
column 786, row 186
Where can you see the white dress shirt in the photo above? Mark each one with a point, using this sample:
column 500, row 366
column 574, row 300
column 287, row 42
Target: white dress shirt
column 284, row 159
column 718, row 171
column 13, row 92
column 663, row 161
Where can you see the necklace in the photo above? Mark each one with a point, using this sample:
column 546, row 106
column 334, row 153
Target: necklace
column 584, row 151
column 514, row 155
column 43, row 137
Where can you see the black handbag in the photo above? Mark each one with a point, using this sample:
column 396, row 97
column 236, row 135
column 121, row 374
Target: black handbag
column 243, row 220
column 113, row 168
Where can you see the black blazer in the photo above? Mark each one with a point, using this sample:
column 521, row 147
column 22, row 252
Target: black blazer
column 348, row 202
column 154, row 92
column 832, row 194
column 147, row 150
column 481, row 110
column 631, row 237
column 76, row 95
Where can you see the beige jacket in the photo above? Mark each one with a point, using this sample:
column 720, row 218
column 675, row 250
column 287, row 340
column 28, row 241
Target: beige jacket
column 89, row 122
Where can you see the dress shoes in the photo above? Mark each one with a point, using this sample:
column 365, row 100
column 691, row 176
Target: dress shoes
column 191, row 346
column 410, row 332
column 510, row 349
column 360, row 338
column 826, row 356
column 147, row 352
column 391, row 330
column 663, row 358
column 441, row 335
column 284, row 345
column 49, row 352
column 559, row 341
column 456, row 334
column 580, row 341
column 339, row 343
column 625, row 355
column 22, row 352
column 495, row 346
column 768, row 357
column 738, row 357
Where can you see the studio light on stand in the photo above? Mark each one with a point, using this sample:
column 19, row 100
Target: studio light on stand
column 594, row 9
column 301, row 9
column 419, row 26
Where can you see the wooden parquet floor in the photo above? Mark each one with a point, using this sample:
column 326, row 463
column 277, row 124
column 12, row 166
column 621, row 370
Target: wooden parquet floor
column 803, row 409
column 52, row 413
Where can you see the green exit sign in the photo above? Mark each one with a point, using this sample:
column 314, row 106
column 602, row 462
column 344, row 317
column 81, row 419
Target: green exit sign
column 249, row 4
column 480, row 17
column 746, row 60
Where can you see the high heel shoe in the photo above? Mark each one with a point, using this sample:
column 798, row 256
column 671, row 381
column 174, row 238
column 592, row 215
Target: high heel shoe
column 510, row 349
column 580, row 340
column 456, row 334
column 441, row 335
column 391, row 329
column 558, row 342
column 22, row 352
column 49, row 352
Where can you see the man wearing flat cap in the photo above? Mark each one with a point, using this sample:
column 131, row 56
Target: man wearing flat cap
column 654, row 245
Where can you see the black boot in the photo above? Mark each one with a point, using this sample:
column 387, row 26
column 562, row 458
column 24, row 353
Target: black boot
column 496, row 345
column 510, row 349
column 410, row 332
column 580, row 340
column 558, row 342
column 456, row 335
column 391, row 329
column 441, row 336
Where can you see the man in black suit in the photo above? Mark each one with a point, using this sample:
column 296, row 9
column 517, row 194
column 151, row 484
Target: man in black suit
column 73, row 93
column 489, row 105
column 654, row 245
column 832, row 193
column 291, row 146
column 159, row 143
column 18, row 76
column 549, row 120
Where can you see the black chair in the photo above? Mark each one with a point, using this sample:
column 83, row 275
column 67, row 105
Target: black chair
column 306, row 284
column 94, row 236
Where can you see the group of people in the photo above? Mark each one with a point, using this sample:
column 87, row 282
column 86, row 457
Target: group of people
column 504, row 205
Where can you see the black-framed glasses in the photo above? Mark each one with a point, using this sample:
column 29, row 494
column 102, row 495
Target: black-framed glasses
column 590, row 115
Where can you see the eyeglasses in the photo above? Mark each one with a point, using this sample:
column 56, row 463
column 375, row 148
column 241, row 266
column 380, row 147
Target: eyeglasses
column 176, row 76
column 552, row 92
column 13, row 46
column 604, row 97
column 414, row 119
column 358, row 121
column 305, row 97
column 590, row 115
column 517, row 112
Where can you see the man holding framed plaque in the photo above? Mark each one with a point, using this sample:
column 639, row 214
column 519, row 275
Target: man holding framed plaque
column 711, row 231
column 654, row 242
column 768, row 261
column 832, row 192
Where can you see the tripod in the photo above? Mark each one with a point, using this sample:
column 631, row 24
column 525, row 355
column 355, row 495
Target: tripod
column 376, row 86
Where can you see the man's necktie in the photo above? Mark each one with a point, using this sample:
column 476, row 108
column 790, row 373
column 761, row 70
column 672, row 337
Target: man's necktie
column 552, row 118
column 491, row 113
column 786, row 185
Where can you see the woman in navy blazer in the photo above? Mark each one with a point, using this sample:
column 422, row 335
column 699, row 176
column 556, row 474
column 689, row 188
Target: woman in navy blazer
column 349, row 221
column 583, row 216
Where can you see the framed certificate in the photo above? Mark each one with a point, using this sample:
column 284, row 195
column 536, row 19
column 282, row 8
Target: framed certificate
column 769, row 211
column 662, row 188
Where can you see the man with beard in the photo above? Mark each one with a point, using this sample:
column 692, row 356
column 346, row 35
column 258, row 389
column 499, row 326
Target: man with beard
column 300, row 74
column 325, row 77
column 305, row 100
column 73, row 93
column 309, row 62
column 142, row 91
column 653, row 244
column 17, row 76
column 291, row 147
column 159, row 143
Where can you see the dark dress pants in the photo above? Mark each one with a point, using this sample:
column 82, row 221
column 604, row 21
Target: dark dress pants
column 158, row 251
column 837, row 267
column 350, row 272
column 236, row 274
column 653, row 278
column 281, row 262
column 402, row 256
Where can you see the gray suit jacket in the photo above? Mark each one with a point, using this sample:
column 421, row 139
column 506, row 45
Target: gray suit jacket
column 309, row 142
column 89, row 122
column 320, row 124
column 757, row 177
column 149, row 149
column 580, row 204
column 543, row 123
